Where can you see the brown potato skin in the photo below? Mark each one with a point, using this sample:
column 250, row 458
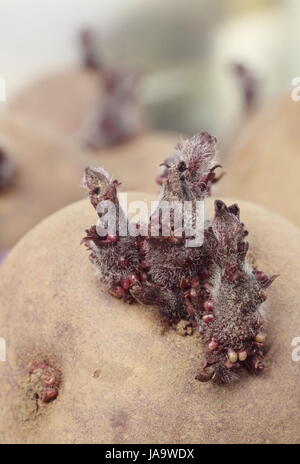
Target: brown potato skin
column 122, row 380
column 48, row 176
column 264, row 162
column 62, row 101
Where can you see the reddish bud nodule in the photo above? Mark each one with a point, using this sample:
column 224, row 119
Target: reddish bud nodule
column 208, row 306
column 143, row 276
column 261, row 276
column 118, row 292
column 193, row 293
column 213, row 345
column 49, row 394
column 44, row 380
column 112, row 238
column 129, row 281
column 208, row 318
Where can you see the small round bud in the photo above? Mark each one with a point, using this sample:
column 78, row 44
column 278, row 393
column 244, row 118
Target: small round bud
column 263, row 295
column 143, row 276
column 126, row 283
column 129, row 281
column 260, row 337
column 195, row 282
column 232, row 356
column 118, row 291
column 112, row 238
column 261, row 276
column 48, row 380
column 208, row 318
column 49, row 394
column 243, row 355
column 133, row 279
column 213, row 345
column 208, row 306
column 193, row 293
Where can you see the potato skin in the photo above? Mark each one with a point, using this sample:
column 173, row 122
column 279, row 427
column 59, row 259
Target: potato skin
column 264, row 162
column 48, row 176
column 122, row 380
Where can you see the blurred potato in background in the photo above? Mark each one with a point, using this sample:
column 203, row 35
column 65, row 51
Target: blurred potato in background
column 185, row 50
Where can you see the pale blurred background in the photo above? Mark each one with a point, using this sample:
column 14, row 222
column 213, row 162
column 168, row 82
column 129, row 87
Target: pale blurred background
column 184, row 47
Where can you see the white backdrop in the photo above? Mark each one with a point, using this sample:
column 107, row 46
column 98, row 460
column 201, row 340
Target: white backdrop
column 40, row 34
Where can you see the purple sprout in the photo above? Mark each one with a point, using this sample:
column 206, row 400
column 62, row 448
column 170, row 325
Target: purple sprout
column 212, row 286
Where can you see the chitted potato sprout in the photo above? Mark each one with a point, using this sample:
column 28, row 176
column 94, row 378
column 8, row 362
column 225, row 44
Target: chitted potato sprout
column 249, row 86
column 118, row 117
column 213, row 286
column 92, row 58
